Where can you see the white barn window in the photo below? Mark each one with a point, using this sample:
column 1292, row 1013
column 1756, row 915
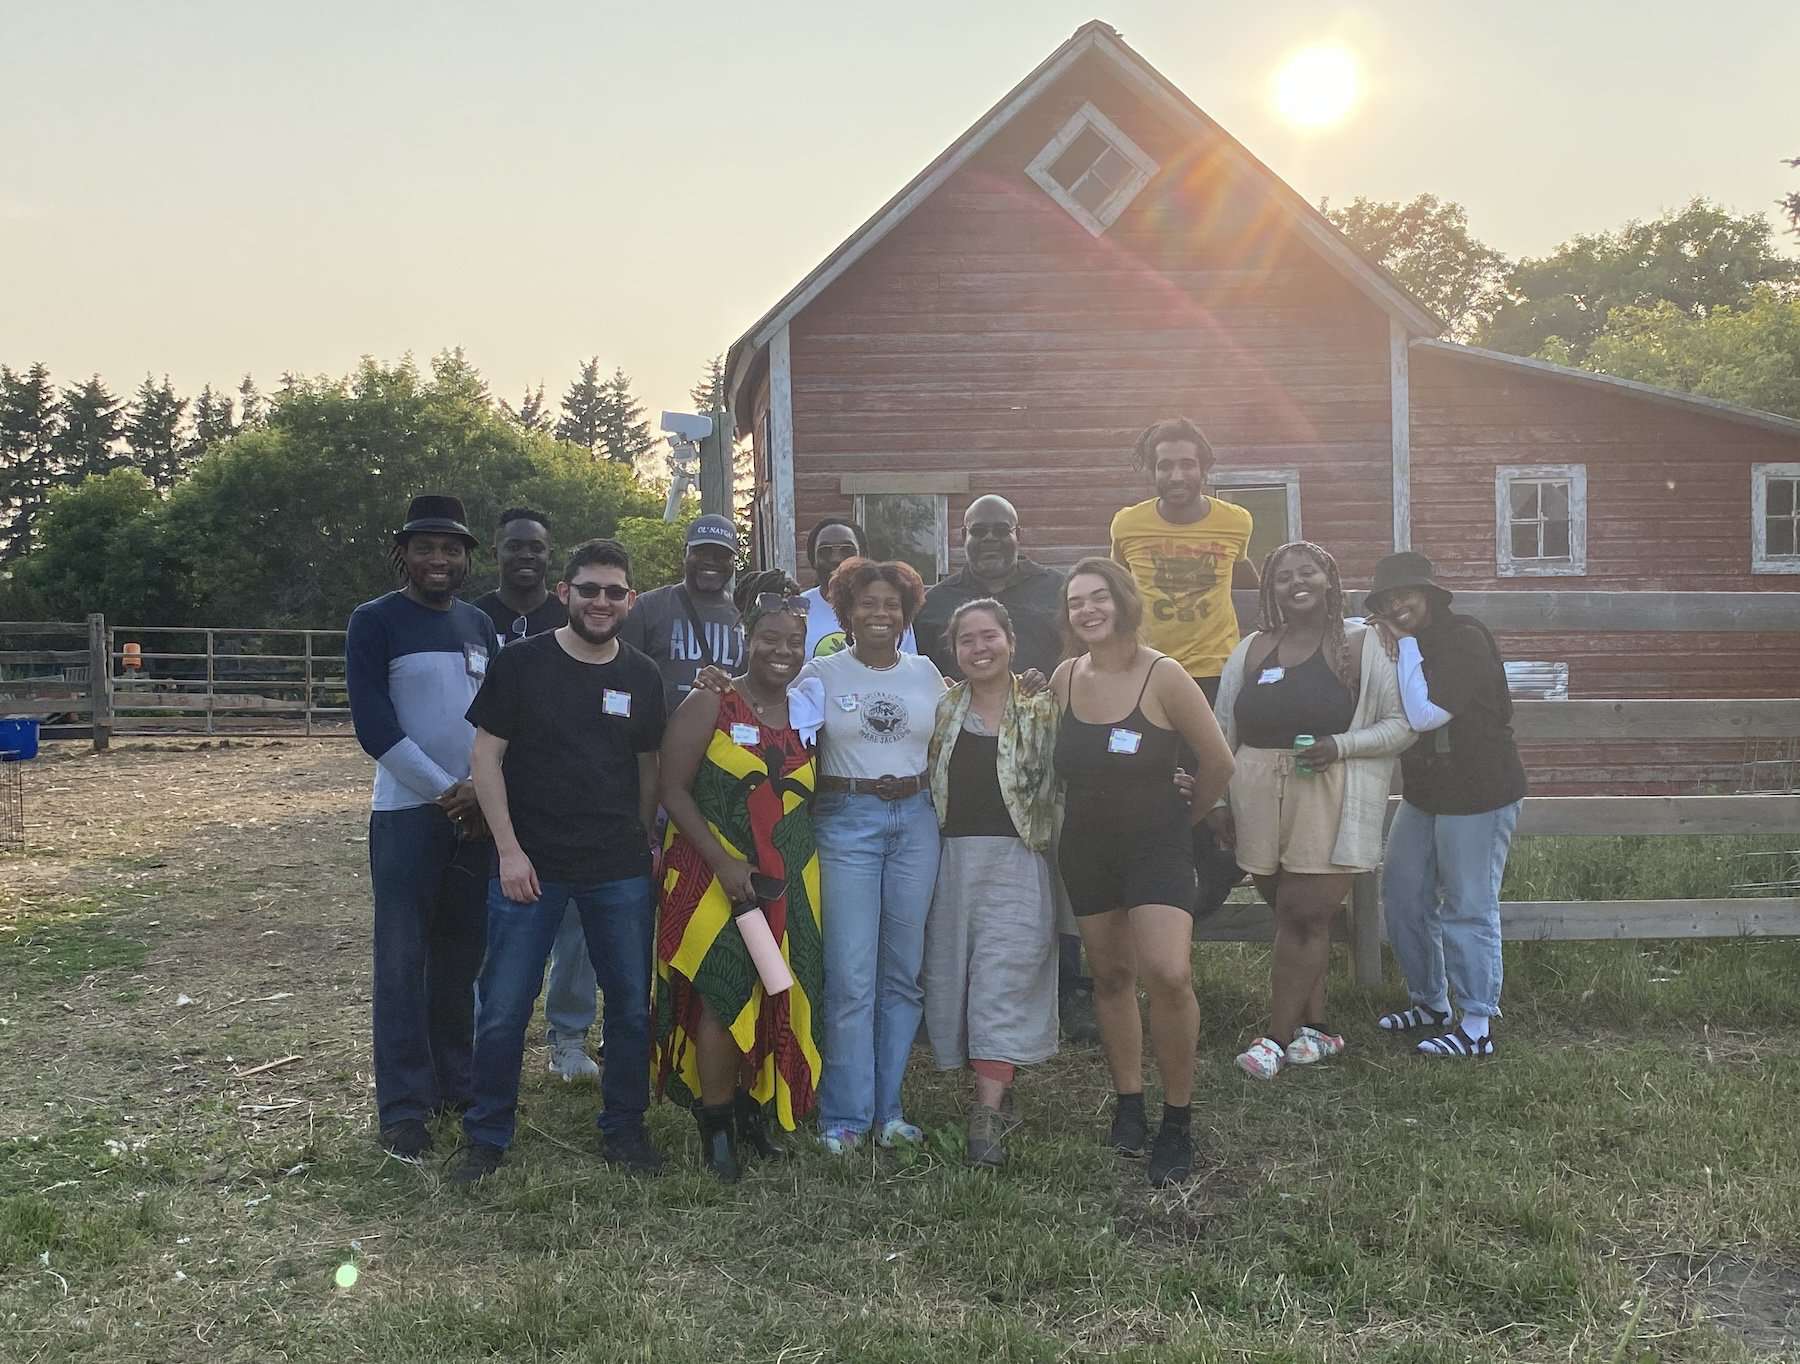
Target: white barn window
column 1540, row 520
column 1775, row 518
column 1271, row 496
column 1092, row 169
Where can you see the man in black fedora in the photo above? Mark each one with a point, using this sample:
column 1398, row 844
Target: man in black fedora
column 413, row 661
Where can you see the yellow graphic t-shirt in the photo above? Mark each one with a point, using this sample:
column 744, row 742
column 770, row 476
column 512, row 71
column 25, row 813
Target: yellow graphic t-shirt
column 1184, row 572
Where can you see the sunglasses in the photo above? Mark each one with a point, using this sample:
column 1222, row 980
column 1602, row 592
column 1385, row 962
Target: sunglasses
column 780, row 601
column 991, row 530
column 588, row 591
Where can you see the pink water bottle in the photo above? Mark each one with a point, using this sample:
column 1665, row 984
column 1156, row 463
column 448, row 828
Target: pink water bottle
column 759, row 939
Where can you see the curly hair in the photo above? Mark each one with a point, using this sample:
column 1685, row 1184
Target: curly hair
column 1128, row 602
column 751, row 586
column 1143, row 454
column 1273, row 620
column 853, row 575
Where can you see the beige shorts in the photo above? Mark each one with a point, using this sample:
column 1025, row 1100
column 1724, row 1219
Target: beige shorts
column 1286, row 821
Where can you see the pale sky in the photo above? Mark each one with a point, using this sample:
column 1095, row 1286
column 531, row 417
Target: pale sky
column 207, row 189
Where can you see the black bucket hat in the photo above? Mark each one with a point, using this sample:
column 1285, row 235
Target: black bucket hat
column 436, row 512
column 1405, row 569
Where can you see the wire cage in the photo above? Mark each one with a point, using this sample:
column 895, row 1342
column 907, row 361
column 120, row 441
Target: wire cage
column 12, row 804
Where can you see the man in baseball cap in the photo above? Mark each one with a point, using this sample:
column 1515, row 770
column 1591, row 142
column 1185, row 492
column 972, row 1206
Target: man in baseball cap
column 689, row 624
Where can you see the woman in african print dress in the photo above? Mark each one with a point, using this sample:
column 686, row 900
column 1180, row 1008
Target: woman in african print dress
column 737, row 781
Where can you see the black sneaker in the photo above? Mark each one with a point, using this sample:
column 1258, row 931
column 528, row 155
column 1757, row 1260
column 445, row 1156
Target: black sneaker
column 632, row 1151
column 1172, row 1158
column 480, row 1160
column 1128, row 1134
column 408, row 1139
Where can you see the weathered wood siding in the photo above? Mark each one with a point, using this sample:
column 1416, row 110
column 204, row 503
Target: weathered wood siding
column 991, row 333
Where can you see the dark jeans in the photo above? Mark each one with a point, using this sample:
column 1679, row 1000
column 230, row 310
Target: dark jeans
column 1216, row 868
column 430, row 911
column 618, row 920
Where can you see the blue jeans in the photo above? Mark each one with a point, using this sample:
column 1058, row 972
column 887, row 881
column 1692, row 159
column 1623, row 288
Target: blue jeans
column 1440, row 891
column 569, row 997
column 618, row 920
column 877, row 867
column 429, row 891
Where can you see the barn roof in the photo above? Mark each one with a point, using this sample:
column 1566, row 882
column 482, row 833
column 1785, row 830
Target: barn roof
column 1097, row 37
column 1611, row 383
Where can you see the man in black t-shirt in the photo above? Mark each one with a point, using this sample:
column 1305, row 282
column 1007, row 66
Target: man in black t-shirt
column 567, row 726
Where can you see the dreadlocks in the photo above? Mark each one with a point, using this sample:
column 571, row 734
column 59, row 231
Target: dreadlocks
column 1334, row 643
column 750, row 586
column 1143, row 454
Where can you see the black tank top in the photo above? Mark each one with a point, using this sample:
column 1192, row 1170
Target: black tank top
column 1122, row 773
column 1305, row 699
column 977, row 809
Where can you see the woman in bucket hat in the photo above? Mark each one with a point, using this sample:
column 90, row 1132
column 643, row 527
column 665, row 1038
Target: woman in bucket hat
column 1464, row 783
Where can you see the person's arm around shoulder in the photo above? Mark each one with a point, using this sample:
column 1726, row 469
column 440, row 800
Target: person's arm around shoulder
column 684, row 747
column 1422, row 712
column 1387, row 732
column 1184, row 704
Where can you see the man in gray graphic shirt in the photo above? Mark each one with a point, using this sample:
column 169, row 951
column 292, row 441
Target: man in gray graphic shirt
column 689, row 624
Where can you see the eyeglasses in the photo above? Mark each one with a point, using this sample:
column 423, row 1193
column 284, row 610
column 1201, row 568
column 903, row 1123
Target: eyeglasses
column 519, row 627
column 780, row 601
column 588, row 591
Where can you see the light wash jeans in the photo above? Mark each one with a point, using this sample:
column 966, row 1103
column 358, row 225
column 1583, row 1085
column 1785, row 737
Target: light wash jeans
column 1440, row 890
column 878, row 864
column 569, row 998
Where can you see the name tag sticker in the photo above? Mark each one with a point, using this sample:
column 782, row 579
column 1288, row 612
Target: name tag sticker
column 616, row 702
column 744, row 735
column 1271, row 675
column 1123, row 740
column 847, row 703
column 475, row 659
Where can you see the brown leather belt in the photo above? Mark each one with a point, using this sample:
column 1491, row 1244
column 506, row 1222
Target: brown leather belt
column 888, row 788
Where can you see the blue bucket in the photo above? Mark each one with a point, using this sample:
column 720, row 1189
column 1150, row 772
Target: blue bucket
column 18, row 738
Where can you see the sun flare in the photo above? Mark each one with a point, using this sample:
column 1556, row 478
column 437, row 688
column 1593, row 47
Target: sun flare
column 1316, row 87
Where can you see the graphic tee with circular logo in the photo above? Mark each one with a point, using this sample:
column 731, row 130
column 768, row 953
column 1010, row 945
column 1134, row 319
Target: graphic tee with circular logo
column 877, row 720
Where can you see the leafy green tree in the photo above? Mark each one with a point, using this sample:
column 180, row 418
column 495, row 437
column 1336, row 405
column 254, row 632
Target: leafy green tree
column 1749, row 355
column 532, row 413
column 92, row 425
column 102, row 547
column 1697, row 259
column 657, row 547
column 584, row 408
column 1428, row 247
column 1790, row 203
column 29, row 462
column 154, row 431
column 709, row 393
column 453, row 374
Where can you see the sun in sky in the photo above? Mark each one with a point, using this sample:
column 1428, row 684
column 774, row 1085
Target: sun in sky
column 1317, row 86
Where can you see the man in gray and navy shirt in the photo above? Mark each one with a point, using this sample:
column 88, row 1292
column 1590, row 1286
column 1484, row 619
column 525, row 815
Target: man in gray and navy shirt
column 413, row 661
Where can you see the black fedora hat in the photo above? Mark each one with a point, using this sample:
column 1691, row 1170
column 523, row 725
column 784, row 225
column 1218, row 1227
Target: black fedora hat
column 436, row 512
column 1405, row 569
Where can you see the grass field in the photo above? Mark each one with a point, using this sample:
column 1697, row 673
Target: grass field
column 1621, row 1184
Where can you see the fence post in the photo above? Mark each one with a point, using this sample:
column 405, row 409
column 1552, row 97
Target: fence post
column 209, row 681
column 99, row 681
column 308, row 652
column 1365, row 928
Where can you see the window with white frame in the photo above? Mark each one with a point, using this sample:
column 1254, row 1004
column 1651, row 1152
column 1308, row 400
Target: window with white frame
column 1775, row 518
column 1540, row 520
column 1272, row 497
column 1092, row 169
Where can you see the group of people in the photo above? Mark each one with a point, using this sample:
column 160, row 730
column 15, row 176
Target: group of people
column 781, row 831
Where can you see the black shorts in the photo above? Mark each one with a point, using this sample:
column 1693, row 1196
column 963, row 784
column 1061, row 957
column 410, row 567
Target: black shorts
column 1108, row 868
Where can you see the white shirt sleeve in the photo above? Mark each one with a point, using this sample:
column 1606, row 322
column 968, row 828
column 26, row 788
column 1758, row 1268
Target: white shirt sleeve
column 1422, row 713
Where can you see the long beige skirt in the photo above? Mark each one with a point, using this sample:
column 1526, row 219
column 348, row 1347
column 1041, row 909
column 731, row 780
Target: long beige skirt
column 990, row 954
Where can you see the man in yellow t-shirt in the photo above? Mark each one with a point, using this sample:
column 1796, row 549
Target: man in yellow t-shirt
column 1186, row 552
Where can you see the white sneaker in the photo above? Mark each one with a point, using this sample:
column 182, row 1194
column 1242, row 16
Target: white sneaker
column 571, row 1061
column 1311, row 1046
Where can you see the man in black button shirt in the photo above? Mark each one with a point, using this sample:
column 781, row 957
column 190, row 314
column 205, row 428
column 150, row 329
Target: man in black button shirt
column 567, row 729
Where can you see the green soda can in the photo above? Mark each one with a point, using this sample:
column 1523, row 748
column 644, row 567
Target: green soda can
column 1301, row 742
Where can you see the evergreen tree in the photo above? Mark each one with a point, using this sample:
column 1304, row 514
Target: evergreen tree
column 92, row 425
column 583, row 408
column 153, row 430
column 250, row 404
column 625, row 435
column 29, row 464
column 532, row 413
column 454, row 376
column 709, row 393
column 213, row 419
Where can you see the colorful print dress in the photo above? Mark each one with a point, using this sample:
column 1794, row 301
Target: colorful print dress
column 758, row 802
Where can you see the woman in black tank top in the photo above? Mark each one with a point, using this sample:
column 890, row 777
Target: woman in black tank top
column 1126, row 854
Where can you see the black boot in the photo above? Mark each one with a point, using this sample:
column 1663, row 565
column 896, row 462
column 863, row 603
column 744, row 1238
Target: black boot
column 752, row 1129
column 718, row 1141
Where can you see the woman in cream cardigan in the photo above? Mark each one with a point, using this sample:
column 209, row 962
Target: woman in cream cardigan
column 1310, row 704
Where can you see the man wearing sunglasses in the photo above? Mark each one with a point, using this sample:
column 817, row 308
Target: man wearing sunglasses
column 567, row 728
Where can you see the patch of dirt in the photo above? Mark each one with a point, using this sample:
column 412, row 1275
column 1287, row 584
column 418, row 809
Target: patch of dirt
column 1184, row 1214
column 1756, row 1300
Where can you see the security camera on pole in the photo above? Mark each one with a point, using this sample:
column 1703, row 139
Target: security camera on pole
column 686, row 430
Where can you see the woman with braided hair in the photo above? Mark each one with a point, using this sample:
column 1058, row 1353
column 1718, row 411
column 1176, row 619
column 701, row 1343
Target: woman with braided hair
column 1310, row 705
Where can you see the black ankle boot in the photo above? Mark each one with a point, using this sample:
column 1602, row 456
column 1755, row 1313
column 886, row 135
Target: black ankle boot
column 752, row 1129
column 718, row 1141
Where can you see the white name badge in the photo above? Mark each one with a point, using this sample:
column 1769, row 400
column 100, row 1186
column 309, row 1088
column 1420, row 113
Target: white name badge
column 847, row 703
column 744, row 735
column 1123, row 740
column 1271, row 675
column 616, row 702
column 475, row 659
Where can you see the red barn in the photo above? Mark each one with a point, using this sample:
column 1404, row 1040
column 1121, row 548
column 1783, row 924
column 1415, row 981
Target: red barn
column 1095, row 252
